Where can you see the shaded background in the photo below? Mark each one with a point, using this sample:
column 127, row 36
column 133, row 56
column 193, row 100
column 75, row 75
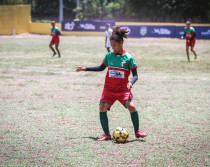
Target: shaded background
column 120, row 10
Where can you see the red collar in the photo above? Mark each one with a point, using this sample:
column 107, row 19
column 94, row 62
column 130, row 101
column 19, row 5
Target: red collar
column 121, row 54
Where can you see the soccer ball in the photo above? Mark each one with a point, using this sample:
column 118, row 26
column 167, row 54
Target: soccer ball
column 120, row 135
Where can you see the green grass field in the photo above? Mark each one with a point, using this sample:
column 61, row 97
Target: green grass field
column 49, row 114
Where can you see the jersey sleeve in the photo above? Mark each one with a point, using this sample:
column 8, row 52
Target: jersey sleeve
column 132, row 64
column 192, row 30
column 56, row 29
column 105, row 61
column 185, row 29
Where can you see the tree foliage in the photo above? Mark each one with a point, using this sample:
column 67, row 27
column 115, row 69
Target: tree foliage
column 122, row 10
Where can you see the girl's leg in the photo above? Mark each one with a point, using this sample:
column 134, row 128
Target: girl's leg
column 56, row 47
column 135, row 119
column 187, row 51
column 192, row 50
column 104, row 118
column 54, row 52
column 134, row 114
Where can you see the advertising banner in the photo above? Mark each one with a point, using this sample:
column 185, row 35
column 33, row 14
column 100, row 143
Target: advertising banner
column 151, row 31
column 202, row 32
column 86, row 25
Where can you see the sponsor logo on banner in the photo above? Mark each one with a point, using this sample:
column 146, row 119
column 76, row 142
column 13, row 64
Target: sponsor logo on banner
column 116, row 74
column 181, row 33
column 102, row 28
column 69, row 26
column 161, row 31
column 87, row 26
column 143, row 31
column 206, row 32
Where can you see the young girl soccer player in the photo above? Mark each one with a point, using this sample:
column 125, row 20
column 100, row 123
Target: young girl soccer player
column 55, row 39
column 117, row 86
column 108, row 33
column 189, row 32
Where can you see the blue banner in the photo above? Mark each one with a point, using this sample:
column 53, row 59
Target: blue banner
column 202, row 32
column 179, row 31
column 86, row 25
column 151, row 31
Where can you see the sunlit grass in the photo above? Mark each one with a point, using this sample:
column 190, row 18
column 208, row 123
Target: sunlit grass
column 49, row 113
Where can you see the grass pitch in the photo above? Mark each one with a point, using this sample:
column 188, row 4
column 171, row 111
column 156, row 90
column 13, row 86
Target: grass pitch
column 49, row 113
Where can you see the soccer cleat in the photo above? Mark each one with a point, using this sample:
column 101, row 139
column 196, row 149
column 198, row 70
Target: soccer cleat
column 54, row 54
column 140, row 134
column 188, row 60
column 195, row 57
column 105, row 137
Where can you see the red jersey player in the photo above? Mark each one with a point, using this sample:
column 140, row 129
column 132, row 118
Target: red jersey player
column 189, row 32
column 55, row 39
column 117, row 86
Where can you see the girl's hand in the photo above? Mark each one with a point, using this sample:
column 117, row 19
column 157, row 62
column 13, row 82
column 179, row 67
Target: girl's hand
column 80, row 69
column 129, row 85
column 182, row 37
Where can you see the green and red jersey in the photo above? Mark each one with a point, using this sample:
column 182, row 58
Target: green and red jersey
column 55, row 31
column 119, row 67
column 189, row 32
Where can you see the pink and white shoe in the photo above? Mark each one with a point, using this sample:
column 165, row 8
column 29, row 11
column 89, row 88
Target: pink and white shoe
column 105, row 137
column 140, row 134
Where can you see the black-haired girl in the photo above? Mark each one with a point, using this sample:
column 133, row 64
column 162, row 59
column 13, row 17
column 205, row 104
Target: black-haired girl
column 117, row 86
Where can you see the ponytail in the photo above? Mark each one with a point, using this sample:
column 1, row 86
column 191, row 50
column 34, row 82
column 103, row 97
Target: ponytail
column 119, row 33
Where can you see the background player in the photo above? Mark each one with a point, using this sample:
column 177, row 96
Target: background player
column 108, row 33
column 55, row 39
column 117, row 85
column 189, row 32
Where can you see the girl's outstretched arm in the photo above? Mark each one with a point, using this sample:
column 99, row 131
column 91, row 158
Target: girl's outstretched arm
column 97, row 68
column 80, row 69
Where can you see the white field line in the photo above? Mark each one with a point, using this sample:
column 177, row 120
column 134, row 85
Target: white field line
column 140, row 76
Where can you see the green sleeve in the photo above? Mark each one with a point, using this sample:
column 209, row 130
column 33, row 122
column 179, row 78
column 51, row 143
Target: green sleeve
column 132, row 63
column 192, row 30
column 56, row 29
column 105, row 61
column 185, row 29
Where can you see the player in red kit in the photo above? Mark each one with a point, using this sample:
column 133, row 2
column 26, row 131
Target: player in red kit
column 189, row 33
column 55, row 39
column 117, row 86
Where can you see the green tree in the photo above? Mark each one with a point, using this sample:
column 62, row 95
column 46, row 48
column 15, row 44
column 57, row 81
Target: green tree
column 101, row 9
column 123, row 10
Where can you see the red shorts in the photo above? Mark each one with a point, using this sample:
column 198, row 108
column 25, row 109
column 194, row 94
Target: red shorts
column 110, row 97
column 190, row 43
column 55, row 40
